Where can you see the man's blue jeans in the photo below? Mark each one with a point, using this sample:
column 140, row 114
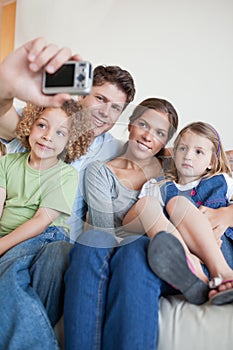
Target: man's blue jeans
column 112, row 296
column 28, row 279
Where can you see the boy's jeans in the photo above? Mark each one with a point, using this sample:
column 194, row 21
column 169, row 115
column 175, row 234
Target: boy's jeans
column 24, row 323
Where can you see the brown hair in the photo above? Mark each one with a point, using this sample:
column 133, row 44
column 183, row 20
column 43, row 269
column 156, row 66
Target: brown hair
column 80, row 133
column 219, row 158
column 116, row 76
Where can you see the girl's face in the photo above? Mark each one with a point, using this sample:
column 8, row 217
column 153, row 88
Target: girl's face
column 49, row 134
column 148, row 134
column 193, row 157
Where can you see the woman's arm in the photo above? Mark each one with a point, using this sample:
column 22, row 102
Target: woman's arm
column 221, row 216
column 31, row 228
column 220, row 219
column 98, row 187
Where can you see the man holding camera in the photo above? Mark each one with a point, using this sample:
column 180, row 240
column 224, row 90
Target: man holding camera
column 21, row 78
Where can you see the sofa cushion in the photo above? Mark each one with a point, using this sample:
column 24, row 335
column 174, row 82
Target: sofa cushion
column 185, row 326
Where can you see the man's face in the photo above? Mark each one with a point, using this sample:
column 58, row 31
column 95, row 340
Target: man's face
column 105, row 104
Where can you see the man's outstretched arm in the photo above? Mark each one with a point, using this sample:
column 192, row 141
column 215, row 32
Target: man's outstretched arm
column 21, row 77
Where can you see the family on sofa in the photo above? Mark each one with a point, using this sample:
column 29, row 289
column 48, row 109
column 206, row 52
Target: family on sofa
column 109, row 291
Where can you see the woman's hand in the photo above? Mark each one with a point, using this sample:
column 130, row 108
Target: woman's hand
column 220, row 219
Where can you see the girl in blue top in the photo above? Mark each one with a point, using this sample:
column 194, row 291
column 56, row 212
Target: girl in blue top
column 201, row 176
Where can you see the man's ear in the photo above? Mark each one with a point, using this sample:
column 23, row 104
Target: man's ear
column 129, row 127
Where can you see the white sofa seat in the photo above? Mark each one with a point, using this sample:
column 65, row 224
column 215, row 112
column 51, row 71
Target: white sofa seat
column 184, row 326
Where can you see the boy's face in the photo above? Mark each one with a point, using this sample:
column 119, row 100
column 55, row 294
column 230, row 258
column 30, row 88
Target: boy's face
column 105, row 104
column 49, row 134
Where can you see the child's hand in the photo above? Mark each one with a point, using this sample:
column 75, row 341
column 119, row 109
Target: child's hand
column 21, row 72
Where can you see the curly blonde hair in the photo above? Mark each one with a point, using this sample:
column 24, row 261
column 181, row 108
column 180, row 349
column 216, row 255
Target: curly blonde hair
column 80, row 133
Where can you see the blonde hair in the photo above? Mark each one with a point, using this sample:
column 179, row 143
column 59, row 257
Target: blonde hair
column 80, row 133
column 219, row 158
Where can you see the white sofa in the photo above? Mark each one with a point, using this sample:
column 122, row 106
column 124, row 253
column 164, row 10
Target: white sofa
column 184, row 326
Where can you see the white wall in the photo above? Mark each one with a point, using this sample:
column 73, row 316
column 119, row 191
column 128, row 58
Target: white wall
column 181, row 50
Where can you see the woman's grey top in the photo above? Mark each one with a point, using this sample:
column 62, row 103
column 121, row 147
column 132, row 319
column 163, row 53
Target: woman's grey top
column 107, row 198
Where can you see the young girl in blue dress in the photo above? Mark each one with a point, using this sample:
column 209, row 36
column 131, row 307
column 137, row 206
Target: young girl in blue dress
column 201, row 176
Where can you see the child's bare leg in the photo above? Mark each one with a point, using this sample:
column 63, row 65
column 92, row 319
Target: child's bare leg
column 153, row 220
column 198, row 235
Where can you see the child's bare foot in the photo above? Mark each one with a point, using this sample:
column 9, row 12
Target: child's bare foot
column 223, row 293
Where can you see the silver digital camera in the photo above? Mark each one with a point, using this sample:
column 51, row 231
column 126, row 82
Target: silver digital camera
column 73, row 77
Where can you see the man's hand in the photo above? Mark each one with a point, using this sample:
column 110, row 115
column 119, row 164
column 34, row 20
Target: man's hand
column 21, row 72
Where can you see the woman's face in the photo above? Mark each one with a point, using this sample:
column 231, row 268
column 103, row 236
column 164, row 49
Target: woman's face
column 149, row 133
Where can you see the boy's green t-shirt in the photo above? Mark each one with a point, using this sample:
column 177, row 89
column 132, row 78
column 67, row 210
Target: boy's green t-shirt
column 29, row 189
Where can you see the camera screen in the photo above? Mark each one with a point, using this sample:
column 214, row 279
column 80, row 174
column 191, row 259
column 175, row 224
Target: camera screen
column 62, row 77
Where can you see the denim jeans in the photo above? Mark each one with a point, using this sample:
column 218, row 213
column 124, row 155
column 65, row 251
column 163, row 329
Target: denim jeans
column 27, row 281
column 227, row 250
column 112, row 296
column 52, row 260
